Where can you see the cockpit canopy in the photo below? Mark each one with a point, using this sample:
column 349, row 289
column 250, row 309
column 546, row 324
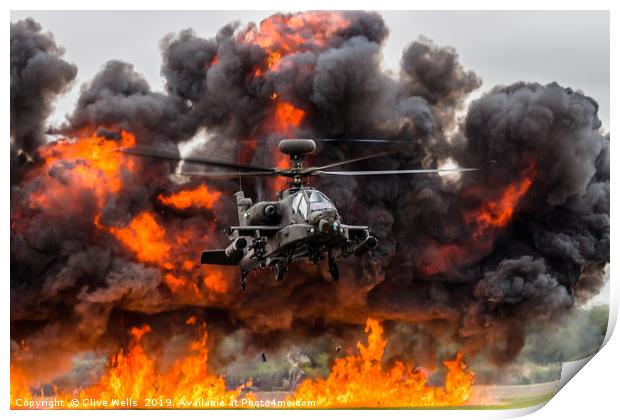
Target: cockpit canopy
column 318, row 201
column 309, row 201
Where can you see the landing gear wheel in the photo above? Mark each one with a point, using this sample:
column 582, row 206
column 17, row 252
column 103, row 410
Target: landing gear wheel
column 333, row 269
column 243, row 282
column 280, row 269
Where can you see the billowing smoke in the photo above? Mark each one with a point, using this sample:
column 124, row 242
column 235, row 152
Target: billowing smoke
column 120, row 98
column 38, row 75
column 109, row 241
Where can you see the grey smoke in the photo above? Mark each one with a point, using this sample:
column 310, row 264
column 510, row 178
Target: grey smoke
column 120, row 98
column 38, row 75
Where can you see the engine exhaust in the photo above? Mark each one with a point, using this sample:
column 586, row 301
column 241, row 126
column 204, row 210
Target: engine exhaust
column 235, row 249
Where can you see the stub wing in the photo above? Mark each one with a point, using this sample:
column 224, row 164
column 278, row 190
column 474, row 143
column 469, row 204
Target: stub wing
column 252, row 230
column 218, row 257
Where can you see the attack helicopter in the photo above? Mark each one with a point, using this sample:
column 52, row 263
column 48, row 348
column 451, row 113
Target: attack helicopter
column 303, row 223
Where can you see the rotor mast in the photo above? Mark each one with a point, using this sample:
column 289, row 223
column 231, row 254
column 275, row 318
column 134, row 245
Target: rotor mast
column 297, row 163
column 297, row 149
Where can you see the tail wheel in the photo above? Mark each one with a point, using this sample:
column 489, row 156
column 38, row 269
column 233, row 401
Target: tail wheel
column 280, row 269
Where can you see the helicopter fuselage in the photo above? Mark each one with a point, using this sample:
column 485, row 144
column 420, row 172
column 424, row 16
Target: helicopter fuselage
column 302, row 224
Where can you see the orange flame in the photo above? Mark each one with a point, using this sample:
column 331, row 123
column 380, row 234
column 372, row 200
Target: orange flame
column 281, row 35
column 149, row 241
column 201, row 197
column 145, row 238
column 93, row 166
column 19, row 386
column 133, row 380
column 135, row 375
column 361, row 381
column 83, row 173
column 282, row 163
column 486, row 221
column 216, row 281
column 93, row 156
column 496, row 214
column 287, row 117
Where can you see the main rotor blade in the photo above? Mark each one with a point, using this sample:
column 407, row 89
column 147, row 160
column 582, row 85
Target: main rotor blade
column 143, row 151
column 363, row 141
column 228, row 175
column 314, row 169
column 395, row 172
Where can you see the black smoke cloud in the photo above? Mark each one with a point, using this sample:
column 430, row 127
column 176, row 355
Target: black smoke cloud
column 120, row 98
column 430, row 271
column 566, row 216
column 38, row 75
column 434, row 73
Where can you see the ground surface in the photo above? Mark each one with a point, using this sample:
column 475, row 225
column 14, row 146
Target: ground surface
column 483, row 396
